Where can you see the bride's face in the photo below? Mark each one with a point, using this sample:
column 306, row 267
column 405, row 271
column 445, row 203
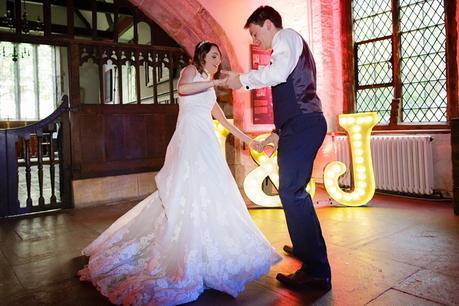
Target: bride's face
column 212, row 60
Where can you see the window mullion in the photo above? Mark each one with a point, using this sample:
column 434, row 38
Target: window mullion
column 451, row 59
column 36, row 81
column 396, row 61
column 56, row 82
column 17, row 86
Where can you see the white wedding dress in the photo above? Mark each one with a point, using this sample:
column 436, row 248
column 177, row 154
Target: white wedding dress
column 193, row 233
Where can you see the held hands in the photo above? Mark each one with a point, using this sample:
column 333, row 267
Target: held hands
column 273, row 140
column 233, row 79
column 256, row 145
column 220, row 82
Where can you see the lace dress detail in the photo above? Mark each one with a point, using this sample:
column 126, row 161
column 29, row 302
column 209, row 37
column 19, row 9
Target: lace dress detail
column 193, row 233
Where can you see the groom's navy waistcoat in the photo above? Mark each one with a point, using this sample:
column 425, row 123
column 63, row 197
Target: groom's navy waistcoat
column 298, row 94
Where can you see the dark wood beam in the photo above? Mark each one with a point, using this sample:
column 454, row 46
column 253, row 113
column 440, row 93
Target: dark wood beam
column 135, row 23
column 396, row 54
column 124, row 24
column 94, row 19
column 47, row 17
column 70, row 18
column 83, row 19
column 109, row 18
column 137, row 77
column 54, row 33
column 60, row 40
column 17, row 16
column 348, row 57
column 102, row 7
column 451, row 58
column 115, row 21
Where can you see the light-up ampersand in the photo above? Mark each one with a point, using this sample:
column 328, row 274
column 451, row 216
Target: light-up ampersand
column 222, row 133
column 358, row 127
column 267, row 167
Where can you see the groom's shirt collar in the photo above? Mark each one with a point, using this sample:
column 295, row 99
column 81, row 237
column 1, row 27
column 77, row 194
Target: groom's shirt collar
column 287, row 47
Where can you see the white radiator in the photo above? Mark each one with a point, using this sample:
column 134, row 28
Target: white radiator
column 400, row 163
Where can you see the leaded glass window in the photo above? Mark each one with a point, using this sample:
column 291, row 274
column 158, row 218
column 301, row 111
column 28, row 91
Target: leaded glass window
column 422, row 59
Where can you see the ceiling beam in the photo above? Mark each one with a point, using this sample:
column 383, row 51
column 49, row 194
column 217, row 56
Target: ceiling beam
column 102, row 7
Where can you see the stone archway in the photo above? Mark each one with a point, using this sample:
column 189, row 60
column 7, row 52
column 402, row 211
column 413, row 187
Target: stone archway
column 188, row 22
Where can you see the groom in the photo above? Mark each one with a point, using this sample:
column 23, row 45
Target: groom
column 300, row 131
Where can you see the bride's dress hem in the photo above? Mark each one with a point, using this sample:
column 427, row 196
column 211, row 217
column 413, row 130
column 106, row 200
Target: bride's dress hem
column 193, row 296
column 104, row 270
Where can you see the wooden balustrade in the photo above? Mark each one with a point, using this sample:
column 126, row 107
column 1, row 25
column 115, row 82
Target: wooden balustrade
column 23, row 149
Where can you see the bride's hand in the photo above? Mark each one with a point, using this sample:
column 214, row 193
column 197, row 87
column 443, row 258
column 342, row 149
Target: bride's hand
column 234, row 81
column 229, row 73
column 256, row 145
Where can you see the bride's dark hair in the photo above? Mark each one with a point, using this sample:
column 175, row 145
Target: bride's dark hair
column 200, row 52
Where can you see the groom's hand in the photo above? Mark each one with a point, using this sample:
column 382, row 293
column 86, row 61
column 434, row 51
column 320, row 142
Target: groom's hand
column 272, row 139
column 233, row 79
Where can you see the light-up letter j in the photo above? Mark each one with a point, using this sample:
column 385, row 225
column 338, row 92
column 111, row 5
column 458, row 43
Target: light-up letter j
column 358, row 126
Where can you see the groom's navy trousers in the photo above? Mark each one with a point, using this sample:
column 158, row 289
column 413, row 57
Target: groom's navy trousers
column 299, row 140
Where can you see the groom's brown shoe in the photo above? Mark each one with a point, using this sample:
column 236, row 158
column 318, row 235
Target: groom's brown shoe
column 301, row 280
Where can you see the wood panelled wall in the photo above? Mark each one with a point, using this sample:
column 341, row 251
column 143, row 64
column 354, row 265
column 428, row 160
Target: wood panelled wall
column 113, row 139
column 106, row 139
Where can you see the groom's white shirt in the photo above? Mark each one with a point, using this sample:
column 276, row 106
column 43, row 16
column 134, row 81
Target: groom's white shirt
column 287, row 46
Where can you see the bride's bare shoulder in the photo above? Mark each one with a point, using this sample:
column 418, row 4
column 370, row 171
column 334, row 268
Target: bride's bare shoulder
column 188, row 72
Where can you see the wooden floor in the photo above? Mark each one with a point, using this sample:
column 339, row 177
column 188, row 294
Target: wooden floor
column 396, row 251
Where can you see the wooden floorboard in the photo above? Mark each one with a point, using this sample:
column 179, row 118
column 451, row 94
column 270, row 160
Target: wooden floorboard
column 395, row 251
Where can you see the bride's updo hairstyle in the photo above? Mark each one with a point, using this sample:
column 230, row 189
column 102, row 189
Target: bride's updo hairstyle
column 200, row 52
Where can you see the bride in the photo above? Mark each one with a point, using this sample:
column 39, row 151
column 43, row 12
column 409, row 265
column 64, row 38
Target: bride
column 194, row 232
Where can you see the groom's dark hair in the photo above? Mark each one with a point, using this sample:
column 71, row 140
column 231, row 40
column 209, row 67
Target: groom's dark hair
column 261, row 14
